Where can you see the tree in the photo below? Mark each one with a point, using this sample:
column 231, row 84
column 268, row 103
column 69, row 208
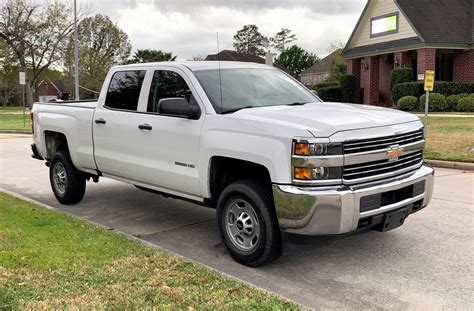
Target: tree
column 334, row 46
column 198, row 58
column 36, row 34
column 296, row 59
column 148, row 56
column 101, row 44
column 282, row 38
column 250, row 41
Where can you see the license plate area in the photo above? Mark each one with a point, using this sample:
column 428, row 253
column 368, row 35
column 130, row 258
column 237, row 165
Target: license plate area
column 395, row 219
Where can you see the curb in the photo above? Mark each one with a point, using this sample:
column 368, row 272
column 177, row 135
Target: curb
column 149, row 244
column 450, row 164
column 15, row 132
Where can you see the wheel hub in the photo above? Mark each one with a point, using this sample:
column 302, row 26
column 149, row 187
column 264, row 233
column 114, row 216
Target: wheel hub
column 59, row 178
column 242, row 224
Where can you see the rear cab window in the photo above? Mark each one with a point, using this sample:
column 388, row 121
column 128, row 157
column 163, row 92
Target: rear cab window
column 124, row 90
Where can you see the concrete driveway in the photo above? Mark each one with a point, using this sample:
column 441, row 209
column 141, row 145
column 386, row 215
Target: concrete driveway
column 426, row 264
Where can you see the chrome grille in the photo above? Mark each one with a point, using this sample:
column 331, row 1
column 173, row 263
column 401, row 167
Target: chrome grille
column 381, row 168
column 382, row 142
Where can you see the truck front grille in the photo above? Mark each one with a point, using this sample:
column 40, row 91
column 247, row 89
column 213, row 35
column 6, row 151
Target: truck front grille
column 382, row 142
column 381, row 168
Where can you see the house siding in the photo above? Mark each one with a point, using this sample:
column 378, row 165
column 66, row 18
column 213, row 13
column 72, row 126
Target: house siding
column 379, row 8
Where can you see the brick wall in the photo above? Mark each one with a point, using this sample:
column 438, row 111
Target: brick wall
column 463, row 66
column 426, row 60
column 404, row 59
column 370, row 80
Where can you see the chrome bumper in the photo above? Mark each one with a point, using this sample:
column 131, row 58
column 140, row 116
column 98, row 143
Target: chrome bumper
column 336, row 210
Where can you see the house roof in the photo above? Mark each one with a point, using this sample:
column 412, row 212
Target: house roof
column 234, row 56
column 58, row 85
column 325, row 64
column 437, row 22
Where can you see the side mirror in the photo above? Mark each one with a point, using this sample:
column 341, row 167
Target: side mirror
column 178, row 107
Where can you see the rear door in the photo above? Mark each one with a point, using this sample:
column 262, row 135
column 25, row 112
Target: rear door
column 116, row 150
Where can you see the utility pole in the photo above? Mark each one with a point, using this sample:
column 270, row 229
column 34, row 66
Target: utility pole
column 76, row 56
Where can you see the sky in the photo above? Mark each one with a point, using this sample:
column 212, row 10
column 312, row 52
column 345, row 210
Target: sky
column 188, row 28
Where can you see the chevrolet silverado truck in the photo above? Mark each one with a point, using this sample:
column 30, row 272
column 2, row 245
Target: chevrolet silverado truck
column 246, row 139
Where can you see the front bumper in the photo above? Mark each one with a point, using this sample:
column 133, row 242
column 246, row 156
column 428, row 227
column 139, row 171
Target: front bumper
column 337, row 210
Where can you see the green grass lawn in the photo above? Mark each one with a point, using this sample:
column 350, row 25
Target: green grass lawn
column 450, row 139
column 14, row 122
column 49, row 260
column 12, row 109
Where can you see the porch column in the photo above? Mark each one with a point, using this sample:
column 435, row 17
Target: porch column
column 426, row 60
column 463, row 66
column 401, row 60
column 353, row 68
column 371, row 85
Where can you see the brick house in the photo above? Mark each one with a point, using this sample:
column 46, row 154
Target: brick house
column 49, row 90
column 423, row 34
column 320, row 71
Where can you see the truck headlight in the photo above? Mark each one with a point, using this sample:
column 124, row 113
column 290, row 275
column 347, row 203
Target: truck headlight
column 317, row 173
column 316, row 149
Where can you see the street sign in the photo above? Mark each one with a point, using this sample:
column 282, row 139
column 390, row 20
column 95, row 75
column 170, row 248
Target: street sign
column 429, row 80
column 22, row 78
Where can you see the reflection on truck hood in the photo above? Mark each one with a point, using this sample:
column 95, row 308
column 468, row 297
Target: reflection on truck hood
column 325, row 119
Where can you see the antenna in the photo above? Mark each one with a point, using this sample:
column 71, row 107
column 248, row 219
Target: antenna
column 219, row 66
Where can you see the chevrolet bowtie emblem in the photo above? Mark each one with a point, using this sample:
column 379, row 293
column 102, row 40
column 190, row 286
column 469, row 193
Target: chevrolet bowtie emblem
column 394, row 153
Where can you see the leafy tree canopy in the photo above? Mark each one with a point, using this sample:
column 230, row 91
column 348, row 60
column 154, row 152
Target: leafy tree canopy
column 148, row 56
column 282, row 39
column 297, row 59
column 250, row 41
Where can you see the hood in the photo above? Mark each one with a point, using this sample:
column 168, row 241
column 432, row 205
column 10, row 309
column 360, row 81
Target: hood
column 325, row 119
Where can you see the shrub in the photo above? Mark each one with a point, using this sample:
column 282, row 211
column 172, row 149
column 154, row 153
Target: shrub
column 318, row 86
column 348, row 88
column 471, row 95
column 400, row 75
column 408, row 103
column 407, row 89
column 437, row 102
column 330, row 94
column 452, row 101
column 462, row 95
column 466, row 104
column 453, row 88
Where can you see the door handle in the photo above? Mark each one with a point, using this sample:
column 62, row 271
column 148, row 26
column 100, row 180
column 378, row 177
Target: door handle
column 100, row 121
column 145, row 126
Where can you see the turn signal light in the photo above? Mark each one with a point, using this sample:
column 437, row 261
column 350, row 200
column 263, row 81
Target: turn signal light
column 303, row 173
column 32, row 122
column 302, row 149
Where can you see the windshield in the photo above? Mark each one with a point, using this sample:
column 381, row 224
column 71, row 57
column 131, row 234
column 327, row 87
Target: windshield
column 251, row 87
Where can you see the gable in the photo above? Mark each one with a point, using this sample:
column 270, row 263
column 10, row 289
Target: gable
column 379, row 9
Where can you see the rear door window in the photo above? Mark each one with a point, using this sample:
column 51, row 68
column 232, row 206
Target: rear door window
column 124, row 90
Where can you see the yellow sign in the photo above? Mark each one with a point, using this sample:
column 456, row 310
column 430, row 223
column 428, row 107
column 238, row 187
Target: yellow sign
column 429, row 80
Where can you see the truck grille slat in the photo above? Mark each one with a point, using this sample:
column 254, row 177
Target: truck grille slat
column 382, row 143
column 381, row 167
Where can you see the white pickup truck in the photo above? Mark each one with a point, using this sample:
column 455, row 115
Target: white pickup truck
column 243, row 138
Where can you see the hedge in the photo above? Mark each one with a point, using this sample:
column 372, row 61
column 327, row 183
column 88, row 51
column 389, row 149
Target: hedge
column 330, row 94
column 466, row 104
column 408, row 103
column 348, row 88
column 400, row 75
column 452, row 101
column 416, row 89
column 437, row 102
column 318, row 86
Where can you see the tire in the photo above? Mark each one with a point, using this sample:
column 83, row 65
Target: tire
column 239, row 224
column 68, row 184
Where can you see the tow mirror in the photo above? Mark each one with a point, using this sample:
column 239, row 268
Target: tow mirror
column 178, row 107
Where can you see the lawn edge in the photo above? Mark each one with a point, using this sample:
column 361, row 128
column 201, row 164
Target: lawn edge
column 465, row 166
column 149, row 244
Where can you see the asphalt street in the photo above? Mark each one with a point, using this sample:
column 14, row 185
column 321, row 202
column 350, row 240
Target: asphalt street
column 426, row 264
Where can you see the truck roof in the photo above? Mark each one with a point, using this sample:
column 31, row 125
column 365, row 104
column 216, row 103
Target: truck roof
column 199, row 65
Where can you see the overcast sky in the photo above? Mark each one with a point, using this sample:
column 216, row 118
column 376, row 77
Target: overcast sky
column 188, row 28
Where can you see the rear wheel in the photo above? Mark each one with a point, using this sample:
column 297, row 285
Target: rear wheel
column 248, row 224
column 68, row 184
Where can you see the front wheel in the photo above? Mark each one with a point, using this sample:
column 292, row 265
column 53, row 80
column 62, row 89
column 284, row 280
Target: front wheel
column 68, row 184
column 248, row 224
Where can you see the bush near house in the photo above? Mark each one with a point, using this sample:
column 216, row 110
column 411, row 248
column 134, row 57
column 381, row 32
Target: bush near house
column 319, row 86
column 400, row 75
column 348, row 88
column 437, row 102
column 452, row 102
column 416, row 89
column 466, row 104
column 330, row 94
column 408, row 103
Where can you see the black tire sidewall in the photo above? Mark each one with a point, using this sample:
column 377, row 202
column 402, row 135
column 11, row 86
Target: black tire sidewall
column 269, row 245
column 76, row 183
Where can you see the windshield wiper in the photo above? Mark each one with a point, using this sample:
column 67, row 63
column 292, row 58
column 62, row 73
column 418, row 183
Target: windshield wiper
column 235, row 109
column 298, row 104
